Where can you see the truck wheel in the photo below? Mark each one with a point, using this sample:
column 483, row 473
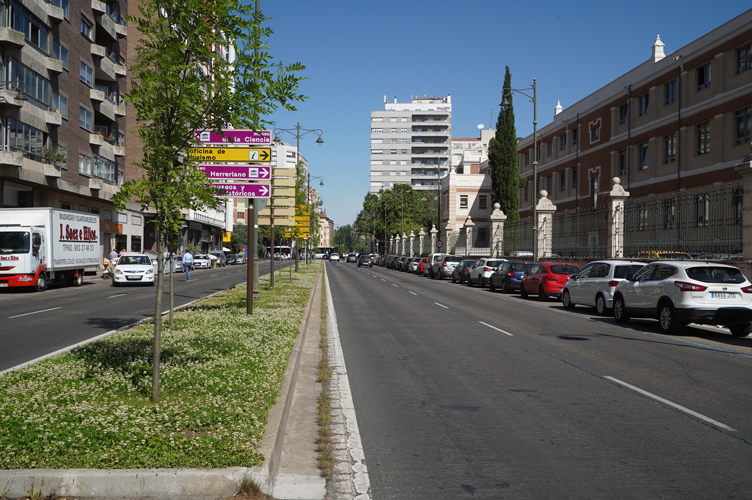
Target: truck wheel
column 41, row 283
column 79, row 279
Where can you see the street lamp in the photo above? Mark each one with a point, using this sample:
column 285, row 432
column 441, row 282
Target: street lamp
column 505, row 105
column 310, row 207
column 297, row 136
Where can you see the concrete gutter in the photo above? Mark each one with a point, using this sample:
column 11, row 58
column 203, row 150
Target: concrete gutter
column 282, row 475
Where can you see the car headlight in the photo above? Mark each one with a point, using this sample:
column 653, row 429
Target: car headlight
column 118, row 271
column 150, row 271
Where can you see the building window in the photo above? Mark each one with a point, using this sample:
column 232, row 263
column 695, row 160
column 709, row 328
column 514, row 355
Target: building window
column 703, row 138
column 463, row 201
column 644, row 104
column 87, row 74
column 550, row 183
column 670, row 92
column 377, row 151
column 482, row 202
column 34, row 85
column 550, row 148
column 744, row 58
column 374, row 119
column 35, row 32
column 403, row 141
column 27, row 139
column 393, row 152
column 595, row 133
column 85, row 119
column 527, row 158
column 574, row 136
column 404, row 130
column 377, row 130
column 563, row 141
column 375, row 173
column 669, row 148
column 393, row 130
column 392, row 141
column 623, row 113
column 86, row 28
column 623, row 162
column 59, row 104
column 65, row 5
column 60, row 52
column 84, row 165
column 562, row 181
column 524, row 192
column 744, row 126
column 574, row 177
column 241, row 215
column 643, row 156
column 703, row 77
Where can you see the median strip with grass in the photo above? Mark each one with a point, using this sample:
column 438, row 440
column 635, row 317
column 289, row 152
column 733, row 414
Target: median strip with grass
column 221, row 373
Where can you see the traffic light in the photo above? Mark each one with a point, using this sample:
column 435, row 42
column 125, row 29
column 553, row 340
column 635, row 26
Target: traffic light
column 352, row 233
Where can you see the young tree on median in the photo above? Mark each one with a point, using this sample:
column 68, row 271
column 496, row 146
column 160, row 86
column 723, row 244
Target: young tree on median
column 182, row 81
column 502, row 158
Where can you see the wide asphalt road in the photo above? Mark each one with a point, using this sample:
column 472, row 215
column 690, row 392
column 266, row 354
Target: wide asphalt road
column 36, row 324
column 461, row 393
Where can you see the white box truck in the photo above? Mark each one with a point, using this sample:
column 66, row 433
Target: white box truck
column 39, row 246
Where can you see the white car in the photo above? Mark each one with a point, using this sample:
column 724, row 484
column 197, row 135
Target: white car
column 202, row 262
column 482, row 271
column 133, row 268
column 681, row 292
column 444, row 265
column 334, row 257
column 595, row 283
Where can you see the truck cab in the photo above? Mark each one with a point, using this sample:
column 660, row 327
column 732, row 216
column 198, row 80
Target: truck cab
column 23, row 257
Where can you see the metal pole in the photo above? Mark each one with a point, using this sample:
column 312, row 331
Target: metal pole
column 297, row 156
column 535, row 170
column 252, row 221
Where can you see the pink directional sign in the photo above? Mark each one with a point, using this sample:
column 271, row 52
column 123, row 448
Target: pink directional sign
column 234, row 137
column 236, row 172
column 244, row 190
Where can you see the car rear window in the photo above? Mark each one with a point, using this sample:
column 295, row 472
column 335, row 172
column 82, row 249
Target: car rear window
column 452, row 258
column 519, row 266
column 712, row 274
column 564, row 269
column 621, row 272
column 494, row 263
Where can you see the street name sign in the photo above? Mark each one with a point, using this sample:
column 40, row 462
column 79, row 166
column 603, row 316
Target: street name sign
column 234, row 137
column 232, row 154
column 236, row 172
column 244, row 190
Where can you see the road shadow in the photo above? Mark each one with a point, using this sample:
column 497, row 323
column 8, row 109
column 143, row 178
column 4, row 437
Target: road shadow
column 110, row 324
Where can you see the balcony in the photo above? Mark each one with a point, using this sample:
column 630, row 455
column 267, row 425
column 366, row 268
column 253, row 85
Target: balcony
column 11, row 37
column 108, row 147
column 96, row 184
column 11, row 159
column 9, row 93
column 105, row 67
column 51, row 170
column 113, row 28
column 54, row 65
column 53, row 118
column 54, row 13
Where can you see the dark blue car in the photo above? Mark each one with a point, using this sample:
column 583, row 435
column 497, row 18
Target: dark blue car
column 508, row 276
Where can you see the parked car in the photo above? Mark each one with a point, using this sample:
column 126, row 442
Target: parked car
column 133, row 268
column 407, row 263
column 364, row 260
column 201, row 261
column 482, row 270
column 546, row 279
column 508, row 276
column 421, row 269
column 595, row 283
column 461, row 270
column 334, row 257
column 239, row 258
column 231, row 258
column 429, row 264
column 353, row 257
column 414, row 264
column 679, row 293
column 663, row 255
column 445, row 264
column 221, row 258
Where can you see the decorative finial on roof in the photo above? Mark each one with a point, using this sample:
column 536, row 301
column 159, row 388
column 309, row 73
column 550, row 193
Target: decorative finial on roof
column 658, row 49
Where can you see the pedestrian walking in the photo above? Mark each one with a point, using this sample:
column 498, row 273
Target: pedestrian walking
column 187, row 265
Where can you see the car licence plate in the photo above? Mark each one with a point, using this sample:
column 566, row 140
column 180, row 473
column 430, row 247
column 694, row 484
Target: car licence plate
column 3, row 285
column 722, row 295
column 133, row 277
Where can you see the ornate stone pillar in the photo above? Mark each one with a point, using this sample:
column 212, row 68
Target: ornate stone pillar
column 618, row 196
column 745, row 170
column 433, row 239
column 421, row 237
column 497, row 232
column 546, row 211
column 397, row 240
column 469, row 225
column 404, row 243
column 391, row 244
column 412, row 240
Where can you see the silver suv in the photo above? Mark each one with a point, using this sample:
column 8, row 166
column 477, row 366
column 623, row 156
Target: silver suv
column 681, row 292
column 444, row 265
column 428, row 268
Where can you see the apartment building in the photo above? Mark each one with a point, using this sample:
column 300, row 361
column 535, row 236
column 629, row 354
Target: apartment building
column 411, row 142
column 62, row 115
column 679, row 121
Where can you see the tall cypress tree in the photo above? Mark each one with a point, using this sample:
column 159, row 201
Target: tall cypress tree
column 502, row 158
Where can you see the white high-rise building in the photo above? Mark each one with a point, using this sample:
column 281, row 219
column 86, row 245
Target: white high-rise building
column 411, row 142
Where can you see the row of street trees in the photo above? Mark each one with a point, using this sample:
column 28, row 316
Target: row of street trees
column 397, row 210
column 181, row 81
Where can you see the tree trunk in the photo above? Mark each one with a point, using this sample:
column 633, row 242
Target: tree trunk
column 172, row 295
column 157, row 319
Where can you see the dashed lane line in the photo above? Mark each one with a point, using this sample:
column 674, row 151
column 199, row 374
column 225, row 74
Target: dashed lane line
column 35, row 312
column 118, row 295
column 441, row 305
column 497, row 329
column 414, row 293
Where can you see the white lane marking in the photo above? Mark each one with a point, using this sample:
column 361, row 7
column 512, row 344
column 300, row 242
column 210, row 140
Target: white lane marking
column 414, row 293
column 672, row 404
column 118, row 295
column 213, row 275
column 340, row 385
column 382, row 279
column 441, row 305
column 395, row 285
column 35, row 312
column 494, row 328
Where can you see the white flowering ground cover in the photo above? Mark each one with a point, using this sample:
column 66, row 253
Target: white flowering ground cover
column 221, row 373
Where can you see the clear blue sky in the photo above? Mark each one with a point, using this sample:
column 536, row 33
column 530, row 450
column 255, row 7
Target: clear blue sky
column 355, row 52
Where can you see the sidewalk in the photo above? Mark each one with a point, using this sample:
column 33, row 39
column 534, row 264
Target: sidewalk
column 289, row 470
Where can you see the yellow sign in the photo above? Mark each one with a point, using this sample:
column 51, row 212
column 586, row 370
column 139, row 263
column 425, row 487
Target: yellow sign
column 302, row 233
column 226, row 236
column 263, row 155
column 278, row 220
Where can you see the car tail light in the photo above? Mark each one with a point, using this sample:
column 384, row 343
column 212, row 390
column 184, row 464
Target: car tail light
column 747, row 289
column 444, row 264
column 613, row 283
column 689, row 287
column 511, row 274
column 551, row 278
column 487, row 269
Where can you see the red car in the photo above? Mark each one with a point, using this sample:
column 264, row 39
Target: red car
column 422, row 266
column 546, row 279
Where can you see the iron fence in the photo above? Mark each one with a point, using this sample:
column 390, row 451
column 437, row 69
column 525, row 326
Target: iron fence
column 457, row 243
column 705, row 222
column 518, row 236
column 580, row 233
